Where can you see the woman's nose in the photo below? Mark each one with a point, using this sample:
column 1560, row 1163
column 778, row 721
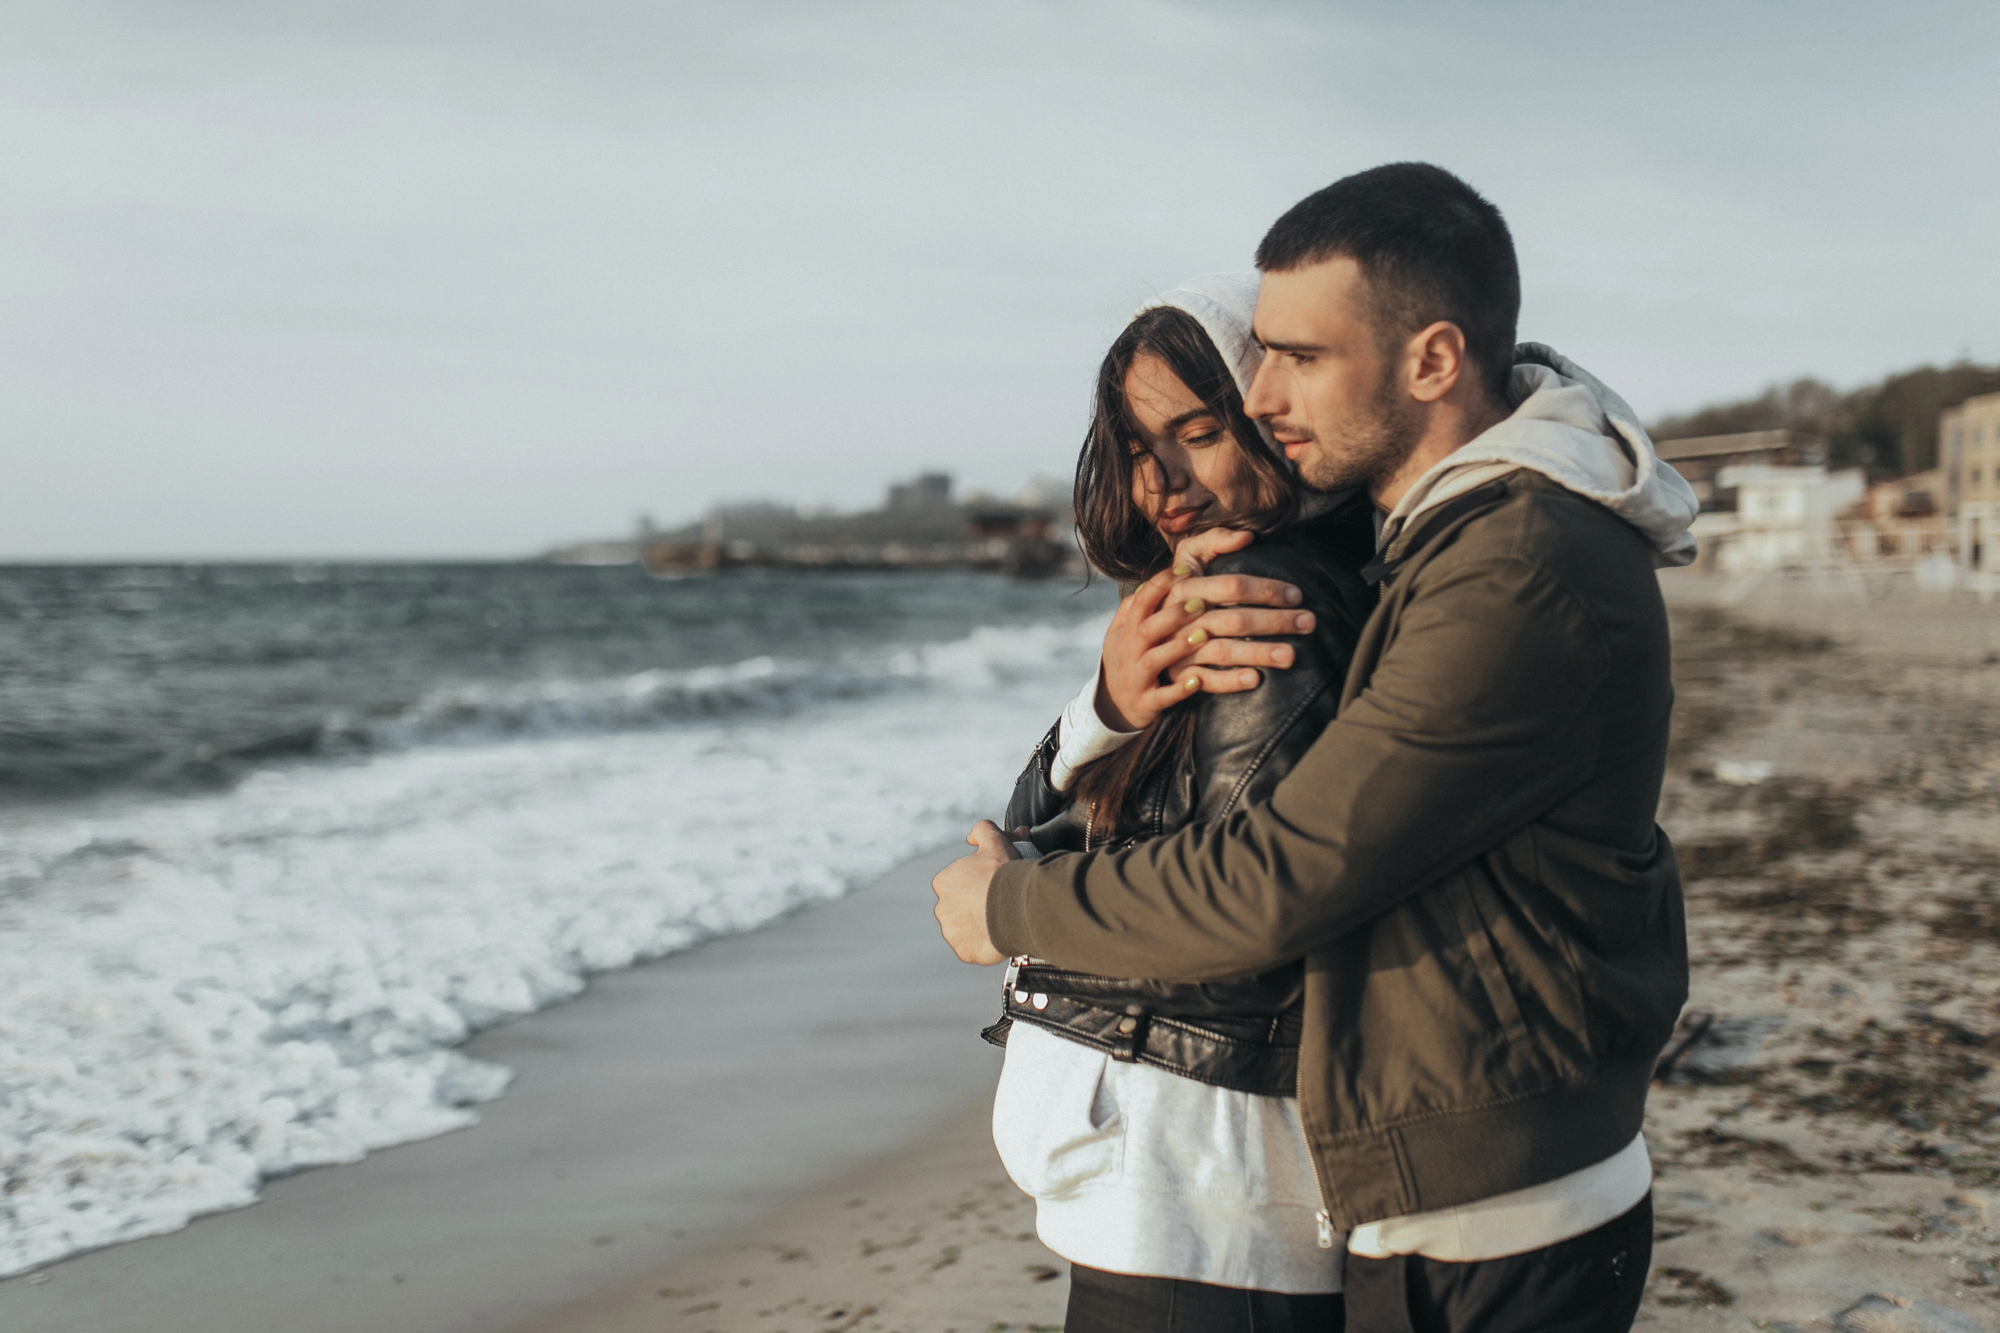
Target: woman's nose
column 1163, row 478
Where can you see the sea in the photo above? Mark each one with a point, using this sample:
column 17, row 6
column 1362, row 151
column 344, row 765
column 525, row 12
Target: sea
column 276, row 839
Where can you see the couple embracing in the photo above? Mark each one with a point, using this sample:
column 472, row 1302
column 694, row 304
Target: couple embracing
column 1341, row 939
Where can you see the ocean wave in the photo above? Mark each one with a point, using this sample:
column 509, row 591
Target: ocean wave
column 482, row 711
column 210, row 990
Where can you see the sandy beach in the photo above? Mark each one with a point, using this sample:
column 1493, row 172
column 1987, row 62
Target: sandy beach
column 787, row 1130
column 655, row 1117
column 1825, row 1149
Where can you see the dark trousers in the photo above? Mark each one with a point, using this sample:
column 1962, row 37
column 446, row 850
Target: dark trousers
column 1587, row 1284
column 1101, row 1302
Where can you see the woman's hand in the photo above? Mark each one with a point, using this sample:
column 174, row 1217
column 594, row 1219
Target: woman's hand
column 1188, row 631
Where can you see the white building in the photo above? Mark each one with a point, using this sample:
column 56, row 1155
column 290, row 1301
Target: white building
column 1784, row 516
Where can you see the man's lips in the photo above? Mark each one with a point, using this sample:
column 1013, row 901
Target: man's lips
column 1293, row 448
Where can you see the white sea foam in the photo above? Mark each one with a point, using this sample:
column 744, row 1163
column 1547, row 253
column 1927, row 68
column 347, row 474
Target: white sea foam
column 205, row 992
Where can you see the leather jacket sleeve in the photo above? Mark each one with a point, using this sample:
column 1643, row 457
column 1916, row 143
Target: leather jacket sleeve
column 1245, row 743
column 1035, row 800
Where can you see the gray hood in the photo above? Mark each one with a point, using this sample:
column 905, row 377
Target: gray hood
column 1579, row 434
column 1223, row 304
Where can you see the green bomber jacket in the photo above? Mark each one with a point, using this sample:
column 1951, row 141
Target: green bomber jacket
column 1467, row 860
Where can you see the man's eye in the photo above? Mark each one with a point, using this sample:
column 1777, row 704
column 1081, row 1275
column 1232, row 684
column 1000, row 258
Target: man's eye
column 1300, row 358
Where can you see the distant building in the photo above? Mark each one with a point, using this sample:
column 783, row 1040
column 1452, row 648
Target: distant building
column 1905, row 515
column 1969, row 444
column 1781, row 517
column 1702, row 459
column 926, row 491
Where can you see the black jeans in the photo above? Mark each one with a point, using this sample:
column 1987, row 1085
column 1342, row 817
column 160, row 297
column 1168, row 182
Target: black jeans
column 1587, row 1284
column 1101, row 1302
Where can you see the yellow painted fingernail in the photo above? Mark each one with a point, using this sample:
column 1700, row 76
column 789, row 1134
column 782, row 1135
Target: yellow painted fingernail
column 1192, row 683
column 1195, row 606
column 1198, row 638
column 1182, row 571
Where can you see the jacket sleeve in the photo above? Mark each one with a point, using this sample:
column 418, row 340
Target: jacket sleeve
column 1035, row 799
column 1244, row 743
column 1478, row 716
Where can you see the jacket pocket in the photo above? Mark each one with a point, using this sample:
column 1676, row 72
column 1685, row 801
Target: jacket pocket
column 1054, row 1122
column 1531, row 982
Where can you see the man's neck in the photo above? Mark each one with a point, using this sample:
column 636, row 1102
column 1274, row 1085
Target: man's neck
column 1448, row 427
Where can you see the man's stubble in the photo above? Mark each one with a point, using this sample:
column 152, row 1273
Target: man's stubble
column 1368, row 449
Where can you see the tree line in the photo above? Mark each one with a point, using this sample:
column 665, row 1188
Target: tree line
column 1888, row 427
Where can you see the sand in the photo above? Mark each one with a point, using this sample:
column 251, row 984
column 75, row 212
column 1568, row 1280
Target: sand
column 682, row 1154
column 935, row 1239
column 669, row 1107
column 1828, row 1155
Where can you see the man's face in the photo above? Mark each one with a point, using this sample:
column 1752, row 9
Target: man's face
column 1327, row 388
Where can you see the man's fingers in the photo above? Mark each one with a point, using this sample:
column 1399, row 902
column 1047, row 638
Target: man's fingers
column 961, row 889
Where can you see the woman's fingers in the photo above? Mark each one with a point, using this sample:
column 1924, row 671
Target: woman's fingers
column 1239, row 590
column 1248, row 622
column 1189, row 681
column 1167, row 660
column 1240, row 653
column 1150, row 595
column 1191, row 633
column 1198, row 551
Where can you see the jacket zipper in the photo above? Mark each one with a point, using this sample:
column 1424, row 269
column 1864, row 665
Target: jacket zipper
column 1322, row 1219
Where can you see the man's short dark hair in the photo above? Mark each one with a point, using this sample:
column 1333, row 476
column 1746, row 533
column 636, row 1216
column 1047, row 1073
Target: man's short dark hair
column 1430, row 247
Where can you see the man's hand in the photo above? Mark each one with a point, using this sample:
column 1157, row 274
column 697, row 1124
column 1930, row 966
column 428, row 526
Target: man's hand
column 1190, row 630
column 961, row 893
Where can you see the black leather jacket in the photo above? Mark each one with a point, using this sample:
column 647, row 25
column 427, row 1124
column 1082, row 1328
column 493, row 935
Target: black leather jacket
column 1240, row 1034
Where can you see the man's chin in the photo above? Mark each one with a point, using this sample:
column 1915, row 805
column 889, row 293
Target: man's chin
column 1322, row 475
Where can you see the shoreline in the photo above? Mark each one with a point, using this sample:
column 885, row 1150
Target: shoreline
column 665, row 1109
column 933, row 1238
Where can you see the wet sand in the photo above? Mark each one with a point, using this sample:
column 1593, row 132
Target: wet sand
column 935, row 1239
column 654, row 1117
column 682, row 1154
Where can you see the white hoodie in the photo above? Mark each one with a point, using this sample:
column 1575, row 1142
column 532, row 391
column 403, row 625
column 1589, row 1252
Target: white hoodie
column 1579, row 434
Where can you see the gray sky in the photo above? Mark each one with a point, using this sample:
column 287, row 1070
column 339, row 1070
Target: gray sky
column 410, row 277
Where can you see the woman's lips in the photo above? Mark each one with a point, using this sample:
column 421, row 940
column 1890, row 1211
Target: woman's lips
column 1178, row 520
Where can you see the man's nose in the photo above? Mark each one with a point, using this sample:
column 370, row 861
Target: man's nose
column 1263, row 401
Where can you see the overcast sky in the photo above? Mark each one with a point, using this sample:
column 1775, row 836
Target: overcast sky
column 409, row 277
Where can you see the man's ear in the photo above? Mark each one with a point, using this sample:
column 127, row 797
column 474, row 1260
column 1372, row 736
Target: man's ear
column 1437, row 361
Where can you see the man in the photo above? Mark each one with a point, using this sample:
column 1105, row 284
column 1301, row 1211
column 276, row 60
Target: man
column 1467, row 858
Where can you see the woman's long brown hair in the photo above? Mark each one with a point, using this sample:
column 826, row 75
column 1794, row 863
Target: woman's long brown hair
column 1120, row 539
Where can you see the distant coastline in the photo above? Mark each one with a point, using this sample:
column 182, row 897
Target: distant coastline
column 920, row 525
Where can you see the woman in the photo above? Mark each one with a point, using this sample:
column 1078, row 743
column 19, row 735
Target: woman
column 1155, row 1122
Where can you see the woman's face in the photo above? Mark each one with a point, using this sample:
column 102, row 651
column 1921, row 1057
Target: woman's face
column 1189, row 467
